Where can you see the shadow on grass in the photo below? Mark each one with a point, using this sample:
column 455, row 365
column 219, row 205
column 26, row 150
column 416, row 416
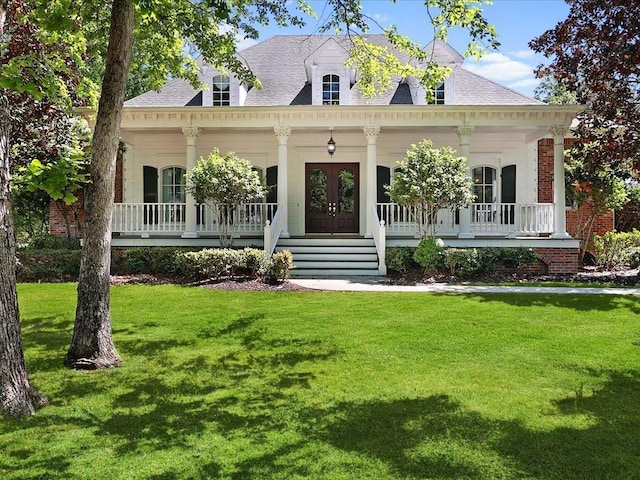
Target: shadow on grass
column 436, row 437
column 578, row 302
column 243, row 392
column 252, row 392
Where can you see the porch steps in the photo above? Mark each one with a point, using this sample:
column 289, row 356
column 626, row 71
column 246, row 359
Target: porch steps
column 331, row 256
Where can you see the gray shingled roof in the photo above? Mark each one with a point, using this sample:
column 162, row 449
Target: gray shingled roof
column 472, row 89
column 176, row 93
column 279, row 63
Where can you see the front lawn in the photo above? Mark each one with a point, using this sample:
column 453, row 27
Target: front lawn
column 319, row 385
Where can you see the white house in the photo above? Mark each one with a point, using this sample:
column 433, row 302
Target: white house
column 334, row 207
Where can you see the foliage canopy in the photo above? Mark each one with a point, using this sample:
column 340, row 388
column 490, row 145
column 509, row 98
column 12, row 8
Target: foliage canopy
column 224, row 183
column 431, row 179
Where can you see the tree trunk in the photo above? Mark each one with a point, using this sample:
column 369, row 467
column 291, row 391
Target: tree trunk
column 92, row 344
column 17, row 397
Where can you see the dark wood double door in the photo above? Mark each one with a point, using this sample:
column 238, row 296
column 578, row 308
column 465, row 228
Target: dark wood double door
column 332, row 197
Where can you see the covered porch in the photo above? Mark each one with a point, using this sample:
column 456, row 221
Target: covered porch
column 289, row 149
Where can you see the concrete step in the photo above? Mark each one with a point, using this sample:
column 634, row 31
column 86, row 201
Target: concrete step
column 343, row 257
column 327, row 250
column 324, row 241
column 321, row 272
column 330, row 257
column 334, row 264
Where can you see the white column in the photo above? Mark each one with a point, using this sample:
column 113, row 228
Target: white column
column 559, row 202
column 464, row 134
column 371, row 132
column 283, row 174
column 191, row 135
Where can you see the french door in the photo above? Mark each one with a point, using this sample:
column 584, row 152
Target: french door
column 332, row 198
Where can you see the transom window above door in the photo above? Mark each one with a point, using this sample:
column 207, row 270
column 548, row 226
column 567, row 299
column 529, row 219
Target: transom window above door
column 173, row 185
column 331, row 90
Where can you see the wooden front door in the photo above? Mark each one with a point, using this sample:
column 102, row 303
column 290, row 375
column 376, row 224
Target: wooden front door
column 332, row 198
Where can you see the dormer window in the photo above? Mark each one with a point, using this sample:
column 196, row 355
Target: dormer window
column 438, row 95
column 221, row 91
column 331, row 90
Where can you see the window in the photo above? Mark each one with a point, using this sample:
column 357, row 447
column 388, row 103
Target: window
column 438, row 95
column 485, row 190
column 272, row 184
column 173, row 183
column 331, row 90
column 484, row 184
column 221, row 91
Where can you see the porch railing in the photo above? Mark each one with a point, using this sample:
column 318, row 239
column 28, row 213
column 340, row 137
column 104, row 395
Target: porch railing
column 486, row 218
column 140, row 218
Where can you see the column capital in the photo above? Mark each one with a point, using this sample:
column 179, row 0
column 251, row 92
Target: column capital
column 465, row 131
column 558, row 131
column 191, row 132
column 282, row 133
column 371, row 131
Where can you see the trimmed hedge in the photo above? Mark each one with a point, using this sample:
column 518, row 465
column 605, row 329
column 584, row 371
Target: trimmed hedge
column 179, row 264
column 433, row 257
column 48, row 265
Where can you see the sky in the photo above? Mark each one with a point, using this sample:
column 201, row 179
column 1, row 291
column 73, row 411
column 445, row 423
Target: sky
column 516, row 21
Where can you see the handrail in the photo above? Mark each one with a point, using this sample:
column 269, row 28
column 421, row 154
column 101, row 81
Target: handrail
column 273, row 229
column 378, row 231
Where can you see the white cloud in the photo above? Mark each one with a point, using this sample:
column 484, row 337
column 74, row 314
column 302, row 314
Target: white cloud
column 527, row 82
column 524, row 54
column 380, row 18
column 500, row 67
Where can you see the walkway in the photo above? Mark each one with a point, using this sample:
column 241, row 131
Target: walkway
column 377, row 284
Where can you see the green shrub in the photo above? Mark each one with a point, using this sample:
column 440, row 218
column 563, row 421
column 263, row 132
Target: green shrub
column 53, row 242
column 429, row 255
column 136, row 260
column 48, row 265
column 398, row 258
column 615, row 250
column 151, row 260
column 280, row 267
column 516, row 257
column 462, row 261
column 208, row 263
column 254, row 262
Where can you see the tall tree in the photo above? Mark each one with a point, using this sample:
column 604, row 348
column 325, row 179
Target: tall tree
column 595, row 53
column 553, row 92
column 17, row 396
column 92, row 344
column 162, row 30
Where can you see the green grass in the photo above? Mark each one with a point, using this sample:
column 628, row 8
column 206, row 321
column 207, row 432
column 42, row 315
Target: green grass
column 320, row 385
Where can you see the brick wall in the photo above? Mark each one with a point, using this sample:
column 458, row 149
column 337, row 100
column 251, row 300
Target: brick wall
column 75, row 213
column 545, row 170
column 603, row 222
column 557, row 261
